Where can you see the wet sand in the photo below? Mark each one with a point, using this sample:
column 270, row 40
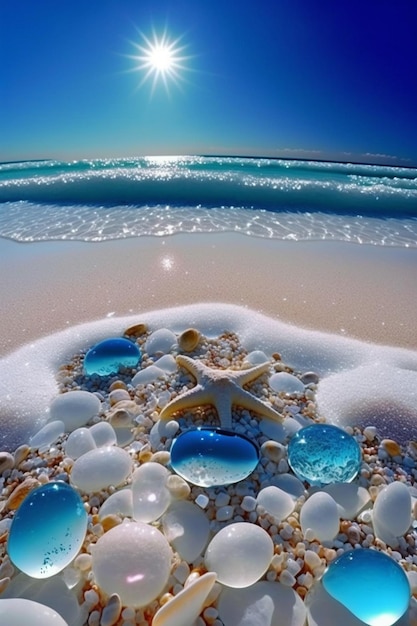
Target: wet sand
column 361, row 291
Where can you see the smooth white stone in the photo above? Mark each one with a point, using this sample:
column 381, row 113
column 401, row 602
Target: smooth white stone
column 103, row 434
column 392, row 513
column 167, row 363
column 262, row 604
column 147, row 375
column 134, row 561
column 79, row 442
column 290, row 484
column 162, row 429
column 187, row 605
column 101, row 468
column 119, row 503
column 18, row 611
column 256, row 357
column 240, row 554
column 151, row 497
column 321, row 514
column 350, row 498
column 187, row 529
column 285, row 382
column 49, row 434
column 74, row 408
column 162, row 340
column 276, row 502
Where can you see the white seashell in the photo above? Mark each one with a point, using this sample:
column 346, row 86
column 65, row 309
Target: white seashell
column 187, row 605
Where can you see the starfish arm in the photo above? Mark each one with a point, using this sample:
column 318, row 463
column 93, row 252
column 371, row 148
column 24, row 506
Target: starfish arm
column 195, row 368
column 242, row 377
column 223, row 405
column 189, row 399
column 246, row 400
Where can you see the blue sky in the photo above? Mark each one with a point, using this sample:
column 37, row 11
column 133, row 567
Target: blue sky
column 297, row 78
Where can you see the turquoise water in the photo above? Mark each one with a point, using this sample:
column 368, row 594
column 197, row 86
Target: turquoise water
column 105, row 199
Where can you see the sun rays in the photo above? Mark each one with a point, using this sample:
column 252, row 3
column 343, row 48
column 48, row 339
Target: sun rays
column 160, row 60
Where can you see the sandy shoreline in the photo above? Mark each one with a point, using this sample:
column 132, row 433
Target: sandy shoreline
column 367, row 292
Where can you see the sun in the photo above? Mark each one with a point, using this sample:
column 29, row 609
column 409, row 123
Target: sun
column 160, row 59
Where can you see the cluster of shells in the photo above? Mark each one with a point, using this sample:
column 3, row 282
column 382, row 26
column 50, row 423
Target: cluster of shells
column 299, row 557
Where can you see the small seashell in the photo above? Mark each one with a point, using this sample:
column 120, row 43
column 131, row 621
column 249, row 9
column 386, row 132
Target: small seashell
column 162, row 457
column 120, row 418
column 178, row 487
column 189, row 339
column 310, row 377
column 273, row 450
column 110, row 521
column 117, row 384
column 21, row 453
column 391, row 446
column 19, row 494
column 136, row 330
column 6, row 461
column 111, row 611
column 118, row 395
column 186, row 606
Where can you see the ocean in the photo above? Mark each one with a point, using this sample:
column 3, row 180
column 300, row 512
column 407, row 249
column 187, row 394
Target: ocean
column 104, row 199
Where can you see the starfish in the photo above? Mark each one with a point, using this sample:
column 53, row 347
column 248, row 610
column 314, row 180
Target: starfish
column 221, row 389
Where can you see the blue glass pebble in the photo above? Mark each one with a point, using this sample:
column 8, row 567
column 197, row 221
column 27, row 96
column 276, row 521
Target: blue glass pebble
column 370, row 584
column 108, row 356
column 48, row 530
column 323, row 454
column 210, row 457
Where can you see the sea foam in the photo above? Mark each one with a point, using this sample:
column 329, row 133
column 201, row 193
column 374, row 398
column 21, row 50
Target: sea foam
column 360, row 383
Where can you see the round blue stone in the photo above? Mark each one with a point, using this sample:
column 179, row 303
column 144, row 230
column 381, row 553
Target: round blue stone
column 210, row 457
column 108, row 356
column 323, row 454
column 370, row 584
column 48, row 530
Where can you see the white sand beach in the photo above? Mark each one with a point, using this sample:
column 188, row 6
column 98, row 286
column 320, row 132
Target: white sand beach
column 366, row 292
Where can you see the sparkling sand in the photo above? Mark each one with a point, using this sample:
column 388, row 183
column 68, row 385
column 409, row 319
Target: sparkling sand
column 366, row 292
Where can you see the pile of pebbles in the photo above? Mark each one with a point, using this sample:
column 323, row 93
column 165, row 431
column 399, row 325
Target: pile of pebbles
column 117, row 418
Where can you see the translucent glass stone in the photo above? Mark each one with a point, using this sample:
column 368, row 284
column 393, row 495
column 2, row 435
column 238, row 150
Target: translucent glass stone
column 323, row 454
column 48, row 530
column 370, row 584
column 210, row 457
column 108, row 356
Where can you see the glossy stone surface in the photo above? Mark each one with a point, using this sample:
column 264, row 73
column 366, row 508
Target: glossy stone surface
column 370, row 584
column 210, row 457
column 323, row 454
column 134, row 561
column 108, row 356
column 48, row 530
column 18, row 611
column 240, row 554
